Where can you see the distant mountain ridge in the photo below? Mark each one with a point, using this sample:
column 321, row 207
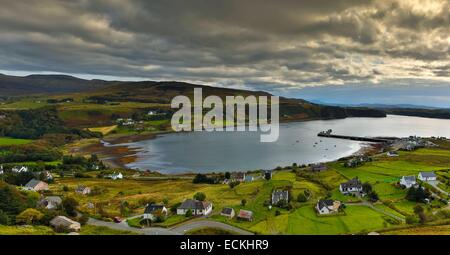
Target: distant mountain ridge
column 46, row 84
column 379, row 106
column 99, row 91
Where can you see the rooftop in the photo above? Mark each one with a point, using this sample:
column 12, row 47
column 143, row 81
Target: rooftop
column 194, row 204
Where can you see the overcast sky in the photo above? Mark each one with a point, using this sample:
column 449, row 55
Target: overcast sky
column 277, row 46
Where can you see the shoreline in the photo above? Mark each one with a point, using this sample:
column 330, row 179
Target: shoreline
column 115, row 152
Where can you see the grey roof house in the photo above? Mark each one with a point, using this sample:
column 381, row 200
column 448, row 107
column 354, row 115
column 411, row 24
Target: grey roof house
column 228, row 212
column 152, row 210
column 353, row 185
column 280, row 195
column 408, row 181
column 195, row 206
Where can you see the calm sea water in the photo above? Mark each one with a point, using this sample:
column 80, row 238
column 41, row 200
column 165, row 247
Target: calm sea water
column 298, row 143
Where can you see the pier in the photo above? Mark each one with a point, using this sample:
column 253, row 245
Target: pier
column 355, row 138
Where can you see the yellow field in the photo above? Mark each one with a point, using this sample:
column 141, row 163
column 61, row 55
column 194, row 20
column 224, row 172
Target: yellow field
column 104, row 130
column 429, row 230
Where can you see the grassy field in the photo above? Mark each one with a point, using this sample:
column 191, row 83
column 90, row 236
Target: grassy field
column 305, row 221
column 4, row 141
column 210, row 231
column 104, row 130
column 99, row 230
column 427, row 230
column 25, row 230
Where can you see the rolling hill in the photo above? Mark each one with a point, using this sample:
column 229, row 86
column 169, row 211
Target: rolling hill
column 98, row 102
column 46, row 84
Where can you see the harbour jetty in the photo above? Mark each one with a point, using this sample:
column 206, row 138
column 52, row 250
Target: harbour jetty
column 329, row 134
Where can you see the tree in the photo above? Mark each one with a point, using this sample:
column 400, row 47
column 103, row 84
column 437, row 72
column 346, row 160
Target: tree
column 29, row 216
column 233, row 184
column 200, row 196
column 373, row 196
column 202, row 178
column 302, row 198
column 188, row 213
column 174, row 207
column 124, row 208
column 418, row 209
column 410, row 219
column 70, row 206
column 12, row 202
column 227, row 175
column 366, row 187
column 418, row 194
column 243, row 202
column 307, row 193
column 5, row 219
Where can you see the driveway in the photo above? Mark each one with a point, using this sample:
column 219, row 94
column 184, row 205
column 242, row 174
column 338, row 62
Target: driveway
column 178, row 230
column 124, row 226
column 435, row 184
column 183, row 228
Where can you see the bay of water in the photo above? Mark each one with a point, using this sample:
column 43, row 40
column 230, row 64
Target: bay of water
column 298, row 143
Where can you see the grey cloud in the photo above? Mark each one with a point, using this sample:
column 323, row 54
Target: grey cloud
column 276, row 45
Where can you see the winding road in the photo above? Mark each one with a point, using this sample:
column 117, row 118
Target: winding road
column 177, row 230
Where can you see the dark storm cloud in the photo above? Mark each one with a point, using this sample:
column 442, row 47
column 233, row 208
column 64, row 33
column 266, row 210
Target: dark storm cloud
column 265, row 45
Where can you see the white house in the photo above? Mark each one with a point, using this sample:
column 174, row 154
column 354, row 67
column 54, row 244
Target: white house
column 195, row 206
column 116, row 176
column 392, row 154
column 249, row 178
column 46, row 174
column 238, row 176
column 21, row 169
column 408, row 181
column 152, row 210
column 50, row 202
column 328, row 206
column 352, row 186
column 228, row 212
column 427, row 176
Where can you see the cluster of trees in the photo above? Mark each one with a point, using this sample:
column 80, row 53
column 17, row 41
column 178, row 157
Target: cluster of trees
column 28, row 153
column 418, row 194
column 55, row 101
column 13, row 202
column 372, row 195
column 82, row 163
column 203, row 178
column 35, row 123
column 18, row 179
column 20, row 207
column 304, row 196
